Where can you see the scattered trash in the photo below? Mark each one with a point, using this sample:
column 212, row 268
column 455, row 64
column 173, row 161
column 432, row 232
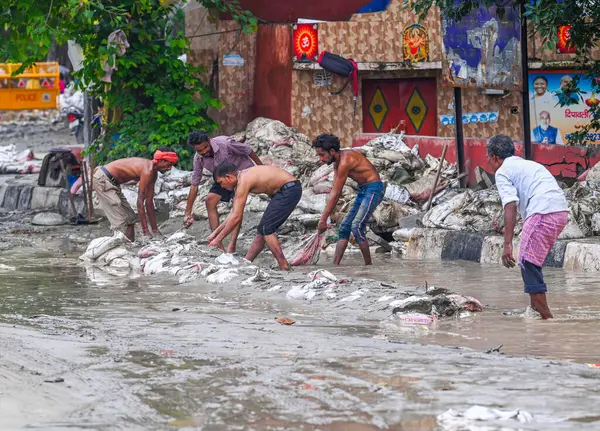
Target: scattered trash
column 594, row 365
column 453, row 420
column 55, row 380
column 288, row 321
column 495, row 350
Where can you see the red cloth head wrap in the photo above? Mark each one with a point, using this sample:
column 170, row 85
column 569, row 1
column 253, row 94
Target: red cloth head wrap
column 168, row 156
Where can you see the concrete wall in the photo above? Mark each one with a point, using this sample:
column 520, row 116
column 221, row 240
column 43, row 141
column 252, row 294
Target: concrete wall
column 22, row 194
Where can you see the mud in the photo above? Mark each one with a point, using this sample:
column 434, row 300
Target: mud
column 147, row 354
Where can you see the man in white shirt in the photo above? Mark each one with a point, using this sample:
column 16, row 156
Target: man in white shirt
column 543, row 207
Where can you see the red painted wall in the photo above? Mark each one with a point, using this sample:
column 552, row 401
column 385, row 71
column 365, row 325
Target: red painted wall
column 273, row 77
column 565, row 163
column 289, row 11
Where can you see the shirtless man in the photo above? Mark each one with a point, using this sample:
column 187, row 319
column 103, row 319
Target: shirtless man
column 285, row 192
column 107, row 185
column 353, row 164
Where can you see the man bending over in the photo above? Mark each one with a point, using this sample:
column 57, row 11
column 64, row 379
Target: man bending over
column 210, row 153
column 107, row 185
column 543, row 207
column 285, row 192
column 353, row 164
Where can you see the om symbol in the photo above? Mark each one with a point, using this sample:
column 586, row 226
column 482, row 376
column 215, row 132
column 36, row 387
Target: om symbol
column 305, row 42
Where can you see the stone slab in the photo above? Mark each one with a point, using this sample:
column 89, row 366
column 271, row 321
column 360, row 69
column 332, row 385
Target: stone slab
column 45, row 198
column 493, row 249
column 556, row 257
column 2, row 193
column 581, row 256
column 462, row 246
column 11, row 197
column 427, row 244
column 25, row 197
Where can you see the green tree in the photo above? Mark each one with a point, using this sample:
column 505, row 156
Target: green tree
column 156, row 98
column 544, row 17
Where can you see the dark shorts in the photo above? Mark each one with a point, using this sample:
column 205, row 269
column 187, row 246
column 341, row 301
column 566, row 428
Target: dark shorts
column 281, row 206
column 226, row 195
column 533, row 278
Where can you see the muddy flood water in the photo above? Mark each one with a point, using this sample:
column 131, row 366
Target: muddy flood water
column 144, row 353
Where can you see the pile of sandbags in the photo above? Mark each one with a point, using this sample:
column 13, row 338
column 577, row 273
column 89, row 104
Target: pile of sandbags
column 471, row 211
column 179, row 256
column 18, row 162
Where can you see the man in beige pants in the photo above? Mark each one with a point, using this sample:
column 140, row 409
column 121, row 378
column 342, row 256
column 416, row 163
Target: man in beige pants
column 107, row 185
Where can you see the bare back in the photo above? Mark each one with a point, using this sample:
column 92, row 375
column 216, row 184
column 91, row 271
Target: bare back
column 360, row 169
column 131, row 169
column 263, row 179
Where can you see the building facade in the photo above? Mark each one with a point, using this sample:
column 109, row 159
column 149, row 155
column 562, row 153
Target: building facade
column 399, row 81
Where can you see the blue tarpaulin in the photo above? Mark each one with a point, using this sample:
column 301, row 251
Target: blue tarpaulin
column 375, row 6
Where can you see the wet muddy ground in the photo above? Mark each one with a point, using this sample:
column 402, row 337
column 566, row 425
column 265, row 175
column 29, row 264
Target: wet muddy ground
column 147, row 354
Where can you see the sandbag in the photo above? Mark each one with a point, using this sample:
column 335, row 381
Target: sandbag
column 308, row 251
column 99, row 246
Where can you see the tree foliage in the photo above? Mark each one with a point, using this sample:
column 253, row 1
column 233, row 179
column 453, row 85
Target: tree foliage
column 544, row 17
column 157, row 98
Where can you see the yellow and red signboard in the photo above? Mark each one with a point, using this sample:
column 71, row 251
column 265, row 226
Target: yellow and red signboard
column 306, row 42
column 36, row 88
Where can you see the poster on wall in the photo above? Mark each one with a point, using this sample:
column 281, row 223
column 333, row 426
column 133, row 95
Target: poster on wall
column 415, row 41
column 555, row 112
column 483, row 49
column 564, row 45
column 305, row 42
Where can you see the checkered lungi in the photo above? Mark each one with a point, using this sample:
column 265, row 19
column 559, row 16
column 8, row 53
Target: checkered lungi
column 540, row 232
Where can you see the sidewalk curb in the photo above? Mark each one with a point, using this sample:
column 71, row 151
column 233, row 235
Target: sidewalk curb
column 440, row 244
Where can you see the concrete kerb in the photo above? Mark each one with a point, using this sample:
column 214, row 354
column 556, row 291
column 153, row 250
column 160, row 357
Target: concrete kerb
column 22, row 193
column 582, row 256
column 3, row 188
column 440, row 244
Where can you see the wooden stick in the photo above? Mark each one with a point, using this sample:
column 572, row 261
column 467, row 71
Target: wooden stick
column 91, row 182
column 64, row 174
column 437, row 177
column 86, row 189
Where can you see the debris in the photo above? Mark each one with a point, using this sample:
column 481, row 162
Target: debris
column 288, row 321
column 453, row 420
column 495, row 350
column 55, row 380
column 48, row 219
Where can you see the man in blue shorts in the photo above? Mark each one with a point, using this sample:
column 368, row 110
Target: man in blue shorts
column 353, row 164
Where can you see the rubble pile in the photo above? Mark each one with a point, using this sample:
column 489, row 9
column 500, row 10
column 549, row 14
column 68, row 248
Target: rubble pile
column 481, row 211
column 408, row 177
